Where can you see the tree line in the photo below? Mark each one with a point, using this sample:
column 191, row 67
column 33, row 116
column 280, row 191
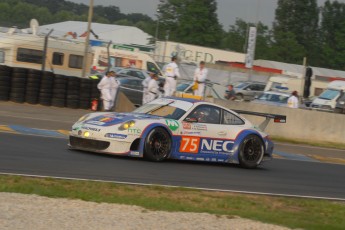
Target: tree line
column 300, row 29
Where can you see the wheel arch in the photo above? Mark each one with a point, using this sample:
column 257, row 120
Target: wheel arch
column 147, row 130
column 241, row 136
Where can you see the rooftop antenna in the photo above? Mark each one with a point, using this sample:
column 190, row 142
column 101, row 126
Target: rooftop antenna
column 34, row 26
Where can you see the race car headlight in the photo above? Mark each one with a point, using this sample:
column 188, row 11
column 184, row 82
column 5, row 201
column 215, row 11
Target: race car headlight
column 127, row 125
column 86, row 134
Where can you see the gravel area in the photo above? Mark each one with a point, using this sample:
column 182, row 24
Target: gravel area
column 19, row 211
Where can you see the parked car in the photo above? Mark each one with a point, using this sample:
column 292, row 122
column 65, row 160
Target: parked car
column 139, row 73
column 328, row 99
column 133, row 89
column 273, row 98
column 213, row 90
column 248, row 90
column 340, row 106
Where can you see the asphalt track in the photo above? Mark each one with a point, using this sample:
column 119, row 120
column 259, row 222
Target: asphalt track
column 33, row 141
column 49, row 156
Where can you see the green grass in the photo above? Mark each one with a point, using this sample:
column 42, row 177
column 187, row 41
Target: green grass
column 325, row 144
column 289, row 212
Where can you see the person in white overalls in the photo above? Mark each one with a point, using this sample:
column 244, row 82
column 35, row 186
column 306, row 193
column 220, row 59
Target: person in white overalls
column 200, row 76
column 171, row 73
column 108, row 87
column 145, row 84
column 153, row 88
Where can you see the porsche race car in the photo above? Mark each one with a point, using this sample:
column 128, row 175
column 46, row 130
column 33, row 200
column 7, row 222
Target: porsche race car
column 176, row 128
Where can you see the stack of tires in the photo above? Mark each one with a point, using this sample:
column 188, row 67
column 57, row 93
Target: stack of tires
column 85, row 93
column 46, row 89
column 5, row 82
column 33, row 86
column 73, row 89
column 59, row 91
column 18, row 85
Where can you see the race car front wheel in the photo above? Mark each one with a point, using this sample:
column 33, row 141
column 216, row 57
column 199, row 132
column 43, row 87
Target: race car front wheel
column 251, row 151
column 157, row 144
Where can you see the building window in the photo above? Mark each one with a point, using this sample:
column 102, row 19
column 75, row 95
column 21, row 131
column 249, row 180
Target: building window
column 75, row 61
column 58, row 58
column 29, row 55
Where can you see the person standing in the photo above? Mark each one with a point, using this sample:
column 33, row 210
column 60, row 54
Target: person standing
column 293, row 100
column 153, row 88
column 200, row 76
column 145, row 84
column 230, row 94
column 108, row 87
column 171, row 73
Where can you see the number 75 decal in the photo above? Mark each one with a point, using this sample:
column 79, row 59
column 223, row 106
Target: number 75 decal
column 190, row 145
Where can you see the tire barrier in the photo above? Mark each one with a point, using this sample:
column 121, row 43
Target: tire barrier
column 85, row 93
column 46, row 89
column 18, row 84
column 59, row 91
column 5, row 82
column 34, row 87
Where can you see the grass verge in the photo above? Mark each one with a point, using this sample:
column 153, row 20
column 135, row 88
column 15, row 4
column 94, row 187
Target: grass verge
column 289, row 212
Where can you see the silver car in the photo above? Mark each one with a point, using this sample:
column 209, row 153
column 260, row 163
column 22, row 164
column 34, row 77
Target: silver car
column 273, row 98
column 246, row 91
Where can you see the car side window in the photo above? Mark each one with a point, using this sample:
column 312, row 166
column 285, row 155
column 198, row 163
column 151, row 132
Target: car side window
column 261, row 87
column 205, row 114
column 231, row 119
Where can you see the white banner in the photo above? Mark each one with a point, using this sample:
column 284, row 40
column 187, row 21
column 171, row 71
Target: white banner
column 251, row 47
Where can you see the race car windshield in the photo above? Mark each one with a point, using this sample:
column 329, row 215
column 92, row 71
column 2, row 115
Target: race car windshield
column 166, row 111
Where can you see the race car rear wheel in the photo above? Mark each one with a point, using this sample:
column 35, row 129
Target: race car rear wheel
column 251, row 151
column 157, row 144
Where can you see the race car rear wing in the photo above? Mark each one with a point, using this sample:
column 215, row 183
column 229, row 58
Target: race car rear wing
column 276, row 118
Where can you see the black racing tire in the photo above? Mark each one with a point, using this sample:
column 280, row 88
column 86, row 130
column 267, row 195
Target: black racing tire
column 72, row 104
column 4, row 97
column 5, row 68
column 57, row 102
column 157, row 145
column 19, row 70
column 45, row 101
column 5, row 78
column 17, row 99
column 251, row 151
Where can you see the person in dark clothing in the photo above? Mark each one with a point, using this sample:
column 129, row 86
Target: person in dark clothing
column 230, row 93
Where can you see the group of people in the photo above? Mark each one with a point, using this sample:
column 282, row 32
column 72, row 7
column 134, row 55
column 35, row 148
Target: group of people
column 152, row 89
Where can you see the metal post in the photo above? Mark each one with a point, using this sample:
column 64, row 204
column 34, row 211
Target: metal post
column 303, row 78
column 156, row 36
column 45, row 50
column 108, row 54
column 87, row 39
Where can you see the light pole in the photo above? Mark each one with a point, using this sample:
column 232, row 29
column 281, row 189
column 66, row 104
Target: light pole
column 156, row 35
column 87, row 40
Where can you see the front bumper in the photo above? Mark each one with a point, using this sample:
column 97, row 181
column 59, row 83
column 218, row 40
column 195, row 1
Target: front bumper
column 114, row 147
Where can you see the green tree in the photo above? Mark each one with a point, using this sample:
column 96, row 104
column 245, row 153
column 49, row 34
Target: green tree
column 190, row 21
column 236, row 39
column 287, row 49
column 299, row 20
column 333, row 34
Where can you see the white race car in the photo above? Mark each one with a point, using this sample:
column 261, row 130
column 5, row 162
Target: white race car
column 176, row 128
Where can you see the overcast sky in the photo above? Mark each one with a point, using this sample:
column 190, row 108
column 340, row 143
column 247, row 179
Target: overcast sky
column 228, row 10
